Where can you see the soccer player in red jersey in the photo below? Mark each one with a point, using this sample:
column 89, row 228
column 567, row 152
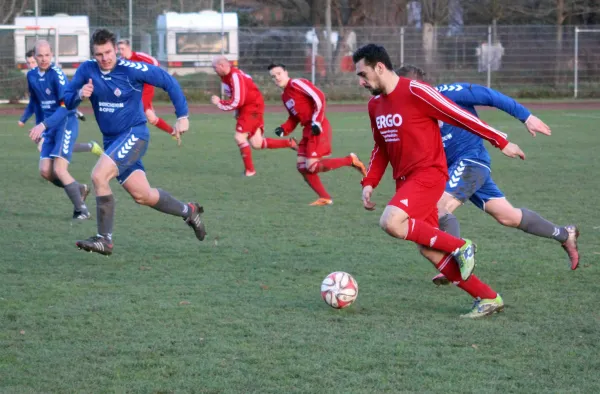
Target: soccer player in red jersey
column 404, row 121
column 306, row 105
column 124, row 47
column 246, row 99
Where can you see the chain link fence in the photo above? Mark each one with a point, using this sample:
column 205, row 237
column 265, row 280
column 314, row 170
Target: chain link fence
column 523, row 61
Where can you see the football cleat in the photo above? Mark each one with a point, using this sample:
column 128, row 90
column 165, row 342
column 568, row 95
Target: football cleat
column 97, row 244
column 321, row 202
column 84, row 190
column 440, row 280
column 570, row 246
column 465, row 257
column 96, row 148
column 80, row 116
column 356, row 163
column 485, row 307
column 195, row 220
column 249, row 173
column 81, row 215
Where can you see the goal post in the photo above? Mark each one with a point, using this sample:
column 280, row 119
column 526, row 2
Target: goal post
column 578, row 31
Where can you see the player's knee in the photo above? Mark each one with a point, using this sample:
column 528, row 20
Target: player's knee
column 46, row 173
column 256, row 143
column 240, row 138
column 394, row 225
column 99, row 179
column 301, row 167
column 509, row 219
column 141, row 197
column 312, row 166
column 59, row 172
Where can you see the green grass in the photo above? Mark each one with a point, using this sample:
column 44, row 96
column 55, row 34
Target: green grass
column 241, row 312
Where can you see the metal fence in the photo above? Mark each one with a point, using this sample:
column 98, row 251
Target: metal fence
column 524, row 61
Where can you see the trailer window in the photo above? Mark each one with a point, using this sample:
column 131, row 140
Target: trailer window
column 67, row 44
column 194, row 43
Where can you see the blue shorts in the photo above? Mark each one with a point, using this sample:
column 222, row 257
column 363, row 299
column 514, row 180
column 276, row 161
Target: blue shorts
column 60, row 140
column 472, row 181
column 126, row 151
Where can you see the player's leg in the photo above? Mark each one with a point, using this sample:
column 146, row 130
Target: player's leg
column 147, row 97
column 258, row 141
column 416, row 198
column 47, row 162
column 137, row 185
column 312, row 180
column 320, row 147
column 65, row 137
column 487, row 301
column 533, row 223
column 241, row 139
column 103, row 172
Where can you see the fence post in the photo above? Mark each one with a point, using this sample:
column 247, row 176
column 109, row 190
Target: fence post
column 576, row 66
column 402, row 46
column 131, row 22
column 313, row 59
column 489, row 58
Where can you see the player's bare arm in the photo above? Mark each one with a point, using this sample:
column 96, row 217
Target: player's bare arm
column 535, row 125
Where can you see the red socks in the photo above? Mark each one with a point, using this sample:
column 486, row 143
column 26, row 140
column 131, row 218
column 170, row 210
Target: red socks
column 246, row 153
column 476, row 288
column 313, row 181
column 164, row 126
column 325, row 165
column 427, row 235
column 275, row 143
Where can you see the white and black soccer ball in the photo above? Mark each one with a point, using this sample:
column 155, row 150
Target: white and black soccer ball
column 339, row 290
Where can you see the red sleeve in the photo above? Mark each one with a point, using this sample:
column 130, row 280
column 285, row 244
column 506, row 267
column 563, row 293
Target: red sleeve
column 439, row 107
column 289, row 125
column 316, row 95
column 238, row 94
column 144, row 57
column 379, row 160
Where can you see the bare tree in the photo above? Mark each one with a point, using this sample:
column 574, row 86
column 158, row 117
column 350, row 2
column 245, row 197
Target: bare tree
column 10, row 8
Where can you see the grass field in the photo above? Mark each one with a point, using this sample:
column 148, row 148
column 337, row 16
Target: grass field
column 241, row 312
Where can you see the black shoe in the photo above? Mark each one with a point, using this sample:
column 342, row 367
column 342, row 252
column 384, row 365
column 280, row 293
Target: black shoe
column 80, row 116
column 195, row 220
column 96, row 244
column 81, row 215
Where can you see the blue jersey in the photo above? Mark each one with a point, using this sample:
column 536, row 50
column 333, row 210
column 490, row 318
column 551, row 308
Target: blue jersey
column 46, row 89
column 32, row 108
column 459, row 143
column 117, row 96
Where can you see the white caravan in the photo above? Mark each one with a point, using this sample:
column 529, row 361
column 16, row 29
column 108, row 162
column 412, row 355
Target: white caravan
column 73, row 39
column 188, row 42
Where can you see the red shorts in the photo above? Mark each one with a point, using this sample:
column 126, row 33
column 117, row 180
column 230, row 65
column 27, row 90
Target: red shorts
column 147, row 97
column 315, row 146
column 250, row 121
column 418, row 194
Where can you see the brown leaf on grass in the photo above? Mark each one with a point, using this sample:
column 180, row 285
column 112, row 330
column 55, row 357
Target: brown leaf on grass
column 145, row 268
column 494, row 262
column 22, row 332
column 184, row 302
column 245, row 250
column 475, row 346
column 264, row 287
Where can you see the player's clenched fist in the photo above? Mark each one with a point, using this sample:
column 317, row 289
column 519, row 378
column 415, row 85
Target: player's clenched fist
column 366, row 198
column 279, row 132
column 87, row 89
column 215, row 100
column 316, row 128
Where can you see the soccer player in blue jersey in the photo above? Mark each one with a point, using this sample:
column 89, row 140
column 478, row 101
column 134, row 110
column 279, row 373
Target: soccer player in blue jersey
column 59, row 128
column 35, row 109
column 470, row 173
column 114, row 87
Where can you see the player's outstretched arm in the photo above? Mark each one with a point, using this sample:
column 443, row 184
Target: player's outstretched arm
column 73, row 93
column 158, row 77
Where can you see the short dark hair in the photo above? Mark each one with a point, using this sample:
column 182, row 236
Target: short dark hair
column 30, row 53
column 373, row 54
column 103, row 36
column 274, row 65
column 410, row 71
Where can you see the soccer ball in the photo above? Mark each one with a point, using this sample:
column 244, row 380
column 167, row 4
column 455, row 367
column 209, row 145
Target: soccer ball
column 339, row 290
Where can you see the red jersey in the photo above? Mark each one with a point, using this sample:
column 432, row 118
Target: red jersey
column 305, row 104
column 242, row 91
column 143, row 57
column 407, row 134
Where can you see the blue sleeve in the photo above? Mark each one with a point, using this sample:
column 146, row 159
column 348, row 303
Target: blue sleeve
column 31, row 107
column 71, row 91
column 472, row 95
column 58, row 84
column 156, row 76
